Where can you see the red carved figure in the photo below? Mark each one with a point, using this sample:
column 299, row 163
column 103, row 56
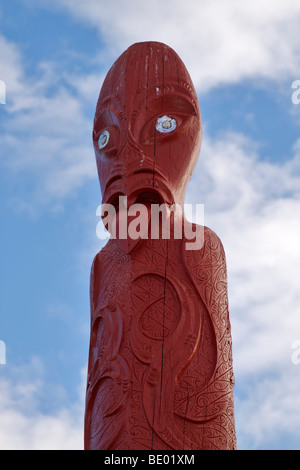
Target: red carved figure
column 160, row 361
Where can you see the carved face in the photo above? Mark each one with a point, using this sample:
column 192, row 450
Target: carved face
column 147, row 128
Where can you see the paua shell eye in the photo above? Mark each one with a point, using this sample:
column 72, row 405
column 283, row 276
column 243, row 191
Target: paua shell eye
column 166, row 124
column 103, row 140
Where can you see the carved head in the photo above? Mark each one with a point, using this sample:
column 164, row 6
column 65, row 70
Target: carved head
column 147, row 127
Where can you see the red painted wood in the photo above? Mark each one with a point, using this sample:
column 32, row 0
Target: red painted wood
column 160, row 363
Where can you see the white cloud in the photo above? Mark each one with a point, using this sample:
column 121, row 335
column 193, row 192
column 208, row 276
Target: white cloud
column 254, row 205
column 220, row 42
column 23, row 426
column 268, row 415
column 46, row 135
column 11, row 66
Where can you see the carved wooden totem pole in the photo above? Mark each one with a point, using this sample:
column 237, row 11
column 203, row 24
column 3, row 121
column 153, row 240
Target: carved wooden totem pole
column 160, row 362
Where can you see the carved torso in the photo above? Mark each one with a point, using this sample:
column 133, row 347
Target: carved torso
column 160, row 368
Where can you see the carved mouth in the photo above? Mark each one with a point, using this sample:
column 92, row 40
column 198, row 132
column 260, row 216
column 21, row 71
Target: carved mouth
column 146, row 197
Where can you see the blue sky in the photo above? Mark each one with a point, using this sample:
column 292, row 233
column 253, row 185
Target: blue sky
column 53, row 57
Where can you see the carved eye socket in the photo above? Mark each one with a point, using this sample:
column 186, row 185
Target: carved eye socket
column 103, row 140
column 166, row 124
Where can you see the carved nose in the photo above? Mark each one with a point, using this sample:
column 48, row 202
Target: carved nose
column 131, row 154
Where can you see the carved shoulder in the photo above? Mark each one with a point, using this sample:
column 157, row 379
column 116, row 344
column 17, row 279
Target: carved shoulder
column 98, row 266
column 207, row 268
column 105, row 267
